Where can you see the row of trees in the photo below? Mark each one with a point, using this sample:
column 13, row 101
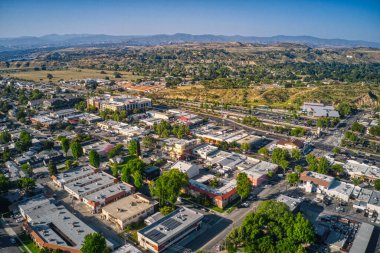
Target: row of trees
column 25, row 184
column 73, row 145
column 272, row 228
column 164, row 129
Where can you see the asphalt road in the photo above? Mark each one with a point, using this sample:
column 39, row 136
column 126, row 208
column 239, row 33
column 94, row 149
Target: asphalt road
column 220, row 225
column 5, row 241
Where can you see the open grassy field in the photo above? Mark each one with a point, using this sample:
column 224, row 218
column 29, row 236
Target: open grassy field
column 272, row 96
column 69, row 74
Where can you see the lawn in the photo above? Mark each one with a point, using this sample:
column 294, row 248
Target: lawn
column 70, row 74
column 29, row 243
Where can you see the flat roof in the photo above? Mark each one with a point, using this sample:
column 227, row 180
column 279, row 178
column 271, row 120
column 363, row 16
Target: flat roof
column 362, row 238
column 127, row 248
column 248, row 163
column 205, row 149
column 127, row 207
column 90, row 183
column 292, row 203
column 226, row 185
column 364, row 195
column 375, row 198
column 342, row 188
column 74, row 174
column 57, row 225
column 183, row 166
column 171, row 225
column 101, row 195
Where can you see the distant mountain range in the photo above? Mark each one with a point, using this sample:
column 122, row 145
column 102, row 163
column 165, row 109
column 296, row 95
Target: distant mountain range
column 70, row 40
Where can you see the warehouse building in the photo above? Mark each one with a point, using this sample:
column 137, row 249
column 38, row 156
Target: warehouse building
column 128, row 210
column 169, row 230
column 54, row 227
column 96, row 200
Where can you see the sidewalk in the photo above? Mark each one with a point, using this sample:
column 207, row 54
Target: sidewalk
column 12, row 233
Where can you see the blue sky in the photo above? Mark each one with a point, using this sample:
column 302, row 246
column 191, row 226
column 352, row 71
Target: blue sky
column 346, row 19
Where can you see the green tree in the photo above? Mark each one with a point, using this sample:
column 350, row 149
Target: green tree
column 356, row 127
column 312, row 162
column 133, row 147
column 68, row 164
column 5, row 137
column 94, row 243
column 296, row 154
column 26, row 184
column 49, row 76
column 137, row 179
column 244, row 185
column 293, row 178
column 279, row 155
column 213, row 182
column 284, row 164
column 94, row 158
column 27, row 169
column 165, row 210
column 272, row 228
column 337, row 169
column 375, row 130
column 167, row 187
column 148, row 141
column 114, row 170
column 65, row 145
column 377, row 184
column 245, row 147
column 24, row 142
column 4, row 183
column 52, row 168
column 116, row 150
column 323, row 166
column 298, row 169
column 76, row 149
column 336, row 150
column 6, row 156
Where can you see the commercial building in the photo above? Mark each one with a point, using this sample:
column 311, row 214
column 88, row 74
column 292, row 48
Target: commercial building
column 362, row 199
column 169, row 230
column 292, row 203
column 43, row 120
column 204, row 150
column 356, row 169
column 128, row 210
column 61, row 114
column 289, row 144
column 178, row 148
column 190, row 169
column 54, row 227
column 319, row 110
column 127, row 248
column 315, row 182
column 119, row 103
column 258, row 173
column 90, row 184
column 96, row 200
column 221, row 196
column 374, row 202
column 340, row 190
column 101, row 147
column 153, row 218
column 67, row 177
